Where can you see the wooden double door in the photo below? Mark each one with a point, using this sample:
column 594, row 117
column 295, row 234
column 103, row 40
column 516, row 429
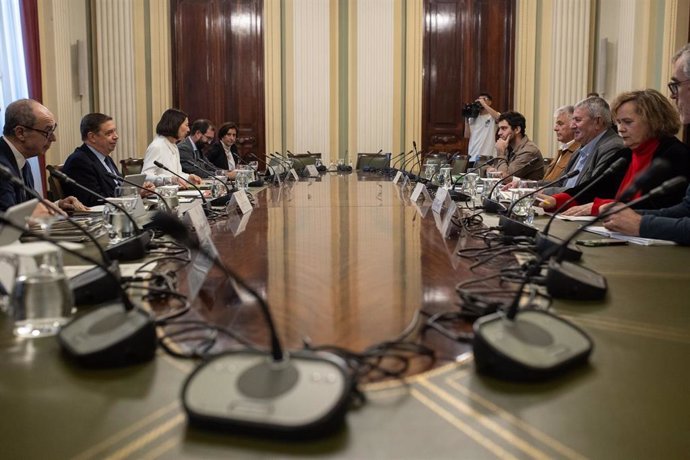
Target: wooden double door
column 217, row 62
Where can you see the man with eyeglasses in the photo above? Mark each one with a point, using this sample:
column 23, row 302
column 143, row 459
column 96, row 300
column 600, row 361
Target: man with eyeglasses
column 201, row 134
column 28, row 132
column 669, row 223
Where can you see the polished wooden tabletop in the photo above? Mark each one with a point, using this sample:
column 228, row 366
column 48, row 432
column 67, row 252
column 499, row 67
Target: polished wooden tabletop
column 342, row 260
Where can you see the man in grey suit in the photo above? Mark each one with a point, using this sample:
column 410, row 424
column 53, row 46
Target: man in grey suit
column 591, row 124
column 191, row 158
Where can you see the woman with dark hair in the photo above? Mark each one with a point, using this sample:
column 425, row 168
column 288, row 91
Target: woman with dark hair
column 172, row 128
column 648, row 123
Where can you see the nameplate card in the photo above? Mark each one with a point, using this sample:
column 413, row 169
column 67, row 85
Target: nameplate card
column 406, row 180
column 242, row 200
column 420, row 189
column 448, row 218
column 397, row 177
column 441, row 200
column 294, row 174
column 237, row 224
column 313, row 172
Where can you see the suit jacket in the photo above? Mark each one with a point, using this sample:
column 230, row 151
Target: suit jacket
column 190, row 159
column 668, row 223
column 84, row 167
column 11, row 194
column 216, row 155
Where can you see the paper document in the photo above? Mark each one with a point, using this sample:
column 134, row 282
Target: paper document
column 631, row 239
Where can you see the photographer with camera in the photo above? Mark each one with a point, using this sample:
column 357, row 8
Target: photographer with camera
column 480, row 125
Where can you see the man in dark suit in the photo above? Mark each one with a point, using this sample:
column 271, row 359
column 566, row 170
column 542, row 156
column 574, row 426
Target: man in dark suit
column 223, row 153
column 191, row 158
column 28, row 132
column 90, row 163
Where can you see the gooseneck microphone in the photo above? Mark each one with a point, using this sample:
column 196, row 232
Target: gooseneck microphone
column 201, row 194
column 494, row 206
column 513, row 227
column 65, row 178
column 546, row 242
column 91, row 286
column 301, row 394
column 258, row 182
column 114, row 334
column 132, row 248
column 129, row 182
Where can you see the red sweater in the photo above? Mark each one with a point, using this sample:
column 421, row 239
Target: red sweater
column 642, row 157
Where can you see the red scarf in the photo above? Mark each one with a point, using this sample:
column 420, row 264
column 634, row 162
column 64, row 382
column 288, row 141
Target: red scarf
column 642, row 156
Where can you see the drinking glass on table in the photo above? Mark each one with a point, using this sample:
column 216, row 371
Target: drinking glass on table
column 523, row 208
column 41, row 299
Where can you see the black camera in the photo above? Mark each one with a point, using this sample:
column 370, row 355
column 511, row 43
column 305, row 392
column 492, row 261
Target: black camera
column 472, row 110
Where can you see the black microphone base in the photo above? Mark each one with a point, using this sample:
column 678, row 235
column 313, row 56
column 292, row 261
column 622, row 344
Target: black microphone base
column 548, row 244
column 512, row 227
column 536, row 345
column 221, row 200
column 133, row 248
column 566, row 280
column 457, row 195
column 109, row 336
column 247, row 392
column 95, row 286
column 492, row 206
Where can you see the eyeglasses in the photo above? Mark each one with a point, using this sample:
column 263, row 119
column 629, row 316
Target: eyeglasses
column 46, row 133
column 674, row 85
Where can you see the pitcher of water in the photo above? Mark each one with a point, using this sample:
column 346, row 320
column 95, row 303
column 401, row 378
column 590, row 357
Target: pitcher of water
column 41, row 299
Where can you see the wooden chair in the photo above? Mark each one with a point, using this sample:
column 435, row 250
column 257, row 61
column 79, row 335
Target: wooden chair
column 55, row 189
column 372, row 161
column 130, row 166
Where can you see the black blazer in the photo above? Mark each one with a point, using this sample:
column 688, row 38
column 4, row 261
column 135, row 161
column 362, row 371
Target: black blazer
column 11, row 194
column 216, row 155
column 670, row 149
column 84, row 167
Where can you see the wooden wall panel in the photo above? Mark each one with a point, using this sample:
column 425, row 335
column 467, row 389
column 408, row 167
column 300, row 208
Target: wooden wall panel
column 218, row 67
column 468, row 48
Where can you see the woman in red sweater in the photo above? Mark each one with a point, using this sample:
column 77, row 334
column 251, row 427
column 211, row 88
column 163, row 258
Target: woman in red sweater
column 648, row 123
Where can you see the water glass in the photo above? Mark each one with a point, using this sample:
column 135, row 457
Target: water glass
column 169, row 194
column 41, row 300
column 117, row 223
column 129, row 196
column 243, row 178
column 429, row 170
column 523, row 208
column 469, row 184
column 445, row 177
